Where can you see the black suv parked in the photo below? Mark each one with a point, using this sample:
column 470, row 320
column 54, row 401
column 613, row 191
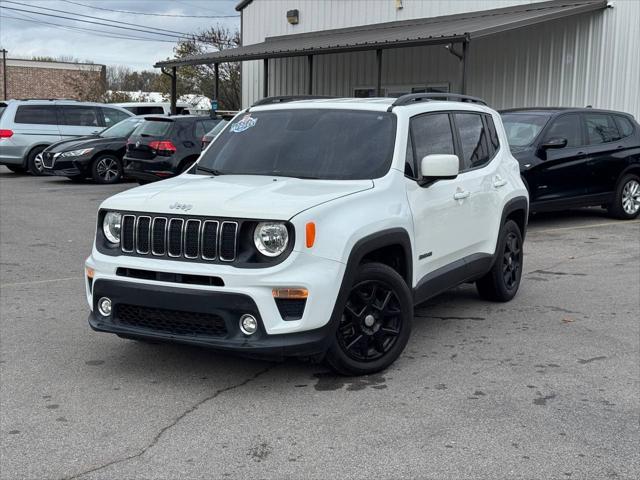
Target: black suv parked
column 577, row 158
column 164, row 146
column 97, row 156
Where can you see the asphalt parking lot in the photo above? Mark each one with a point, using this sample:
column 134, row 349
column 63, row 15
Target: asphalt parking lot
column 546, row 386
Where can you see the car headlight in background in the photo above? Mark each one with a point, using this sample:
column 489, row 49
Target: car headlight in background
column 271, row 238
column 76, row 153
column 111, row 226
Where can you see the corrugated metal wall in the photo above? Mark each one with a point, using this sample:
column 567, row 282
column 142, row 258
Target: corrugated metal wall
column 592, row 59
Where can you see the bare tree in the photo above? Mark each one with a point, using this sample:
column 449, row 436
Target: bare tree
column 200, row 79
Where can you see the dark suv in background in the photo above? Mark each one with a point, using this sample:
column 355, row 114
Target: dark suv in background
column 164, row 146
column 577, row 158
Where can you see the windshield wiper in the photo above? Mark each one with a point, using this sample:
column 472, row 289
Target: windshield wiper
column 212, row 171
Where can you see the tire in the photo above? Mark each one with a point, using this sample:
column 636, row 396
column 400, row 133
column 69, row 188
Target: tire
column 626, row 202
column 106, row 169
column 16, row 168
column 502, row 282
column 34, row 164
column 376, row 322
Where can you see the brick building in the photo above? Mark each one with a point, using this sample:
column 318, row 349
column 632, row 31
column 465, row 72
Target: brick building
column 42, row 79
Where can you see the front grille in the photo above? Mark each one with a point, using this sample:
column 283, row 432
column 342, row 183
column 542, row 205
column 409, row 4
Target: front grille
column 180, row 238
column 48, row 160
column 171, row 321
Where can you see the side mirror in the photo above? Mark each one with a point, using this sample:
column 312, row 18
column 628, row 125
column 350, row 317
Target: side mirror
column 439, row 167
column 554, row 143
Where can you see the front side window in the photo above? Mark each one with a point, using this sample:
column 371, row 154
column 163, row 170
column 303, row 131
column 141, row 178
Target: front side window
column 473, row 140
column 431, row 134
column 305, row 143
column 80, row 116
column 601, row 128
column 37, row 114
column 567, row 127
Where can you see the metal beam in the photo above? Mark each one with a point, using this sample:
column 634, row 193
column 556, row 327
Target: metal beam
column 174, row 90
column 379, row 77
column 310, row 79
column 265, row 81
column 463, row 66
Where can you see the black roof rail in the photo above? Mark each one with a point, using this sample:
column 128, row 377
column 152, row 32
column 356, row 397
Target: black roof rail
column 412, row 98
column 47, row 99
column 287, row 98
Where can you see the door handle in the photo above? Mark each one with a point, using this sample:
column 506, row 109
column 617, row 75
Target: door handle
column 461, row 195
column 498, row 181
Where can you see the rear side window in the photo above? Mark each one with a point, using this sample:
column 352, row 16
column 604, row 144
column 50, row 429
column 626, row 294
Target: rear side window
column 601, row 128
column 566, row 126
column 113, row 116
column 3, row 107
column 473, row 140
column 37, row 114
column 625, row 127
column 80, row 116
column 200, row 131
column 153, row 128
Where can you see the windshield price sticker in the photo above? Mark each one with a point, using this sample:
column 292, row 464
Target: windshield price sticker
column 245, row 123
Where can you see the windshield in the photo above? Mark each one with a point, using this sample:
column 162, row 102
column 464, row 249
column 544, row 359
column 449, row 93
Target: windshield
column 305, row 143
column 523, row 128
column 121, row 129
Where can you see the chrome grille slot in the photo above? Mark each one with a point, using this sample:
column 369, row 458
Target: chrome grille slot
column 209, row 240
column 180, row 237
column 159, row 236
column 174, row 237
column 191, row 238
column 127, row 234
column 228, row 241
column 143, row 235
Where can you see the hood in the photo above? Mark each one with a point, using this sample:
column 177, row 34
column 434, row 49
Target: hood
column 79, row 142
column 234, row 196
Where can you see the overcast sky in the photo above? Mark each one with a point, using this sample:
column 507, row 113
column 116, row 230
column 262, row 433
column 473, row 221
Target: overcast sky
column 26, row 35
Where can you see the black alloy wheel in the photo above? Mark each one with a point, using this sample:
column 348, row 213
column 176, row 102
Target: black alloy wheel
column 375, row 323
column 501, row 283
column 371, row 321
column 512, row 261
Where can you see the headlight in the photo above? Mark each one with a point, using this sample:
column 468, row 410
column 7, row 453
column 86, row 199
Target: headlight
column 271, row 238
column 111, row 226
column 76, row 153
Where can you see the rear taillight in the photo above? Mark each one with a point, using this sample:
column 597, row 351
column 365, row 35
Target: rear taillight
column 6, row 133
column 165, row 146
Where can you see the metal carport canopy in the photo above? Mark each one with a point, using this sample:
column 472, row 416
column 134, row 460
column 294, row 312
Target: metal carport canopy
column 405, row 33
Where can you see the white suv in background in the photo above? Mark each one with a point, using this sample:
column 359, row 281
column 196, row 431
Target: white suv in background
column 311, row 228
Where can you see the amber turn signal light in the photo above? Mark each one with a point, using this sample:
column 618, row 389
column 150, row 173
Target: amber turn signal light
column 290, row 293
column 311, row 234
column 90, row 272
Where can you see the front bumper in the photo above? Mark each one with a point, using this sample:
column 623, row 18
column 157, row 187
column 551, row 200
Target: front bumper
column 225, row 308
column 244, row 290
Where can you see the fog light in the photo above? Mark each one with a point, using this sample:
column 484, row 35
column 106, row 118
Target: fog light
column 104, row 306
column 248, row 324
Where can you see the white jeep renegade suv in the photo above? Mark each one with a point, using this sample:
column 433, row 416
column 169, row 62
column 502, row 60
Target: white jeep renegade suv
column 311, row 228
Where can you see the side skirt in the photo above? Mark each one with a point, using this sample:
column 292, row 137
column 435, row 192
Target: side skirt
column 594, row 200
column 467, row 269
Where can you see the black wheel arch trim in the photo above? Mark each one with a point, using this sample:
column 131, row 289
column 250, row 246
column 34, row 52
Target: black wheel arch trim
column 364, row 246
column 513, row 205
